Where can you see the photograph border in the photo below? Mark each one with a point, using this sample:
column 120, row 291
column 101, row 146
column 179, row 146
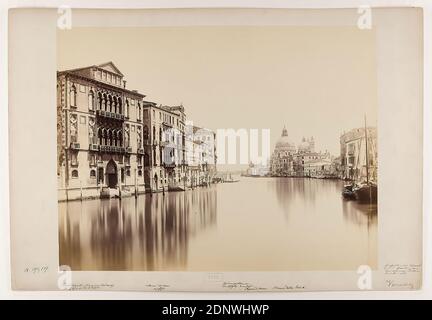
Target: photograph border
column 409, row 254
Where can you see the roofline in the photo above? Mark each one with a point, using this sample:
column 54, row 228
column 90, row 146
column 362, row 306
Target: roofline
column 97, row 67
column 68, row 72
column 110, row 62
column 162, row 108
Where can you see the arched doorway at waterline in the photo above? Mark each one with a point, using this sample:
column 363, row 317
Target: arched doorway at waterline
column 156, row 181
column 147, row 179
column 111, row 173
column 100, row 175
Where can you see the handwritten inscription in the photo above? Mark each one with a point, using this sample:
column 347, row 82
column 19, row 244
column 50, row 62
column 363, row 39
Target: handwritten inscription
column 158, row 287
column 402, row 269
column 36, row 270
column 290, row 287
column 91, row 286
column 399, row 285
column 244, row 286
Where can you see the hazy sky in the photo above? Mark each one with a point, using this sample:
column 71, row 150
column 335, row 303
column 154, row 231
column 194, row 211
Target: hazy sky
column 318, row 81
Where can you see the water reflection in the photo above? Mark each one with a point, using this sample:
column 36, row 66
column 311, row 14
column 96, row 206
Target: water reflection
column 294, row 194
column 147, row 233
column 257, row 224
column 360, row 213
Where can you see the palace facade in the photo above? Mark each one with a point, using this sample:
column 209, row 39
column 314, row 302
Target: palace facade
column 112, row 142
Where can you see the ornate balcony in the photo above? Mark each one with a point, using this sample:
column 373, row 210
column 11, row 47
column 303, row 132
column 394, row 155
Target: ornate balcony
column 169, row 165
column 112, row 149
column 75, row 145
column 110, row 115
column 128, row 149
column 93, row 147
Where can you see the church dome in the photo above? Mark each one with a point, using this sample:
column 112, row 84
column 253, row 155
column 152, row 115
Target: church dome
column 283, row 143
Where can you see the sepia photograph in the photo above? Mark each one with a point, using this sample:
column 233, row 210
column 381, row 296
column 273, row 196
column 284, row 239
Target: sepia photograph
column 217, row 148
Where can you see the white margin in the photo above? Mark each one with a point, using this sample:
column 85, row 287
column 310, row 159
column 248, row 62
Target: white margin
column 7, row 293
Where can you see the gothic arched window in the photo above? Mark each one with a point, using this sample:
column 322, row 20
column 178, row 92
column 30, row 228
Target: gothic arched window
column 105, row 101
column 104, row 137
column 127, row 109
column 109, row 135
column 139, row 112
column 91, row 100
column 120, row 138
column 119, row 103
column 73, row 94
column 146, row 160
column 100, row 100
column 100, row 136
column 114, row 138
column 110, row 107
column 114, row 105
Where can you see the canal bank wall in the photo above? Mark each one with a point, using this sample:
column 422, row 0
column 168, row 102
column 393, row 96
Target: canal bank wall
column 91, row 193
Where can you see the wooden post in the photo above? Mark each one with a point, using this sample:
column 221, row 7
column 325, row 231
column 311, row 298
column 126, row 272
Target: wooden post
column 136, row 195
column 81, row 190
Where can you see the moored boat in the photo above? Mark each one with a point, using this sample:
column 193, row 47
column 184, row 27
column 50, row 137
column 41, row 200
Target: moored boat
column 366, row 193
column 231, row 181
column 348, row 192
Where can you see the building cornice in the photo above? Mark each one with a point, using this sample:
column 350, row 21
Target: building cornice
column 100, row 84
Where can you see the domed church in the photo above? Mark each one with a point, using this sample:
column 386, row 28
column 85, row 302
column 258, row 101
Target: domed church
column 284, row 145
column 282, row 157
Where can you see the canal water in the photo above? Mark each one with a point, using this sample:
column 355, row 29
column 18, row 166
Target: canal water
column 256, row 224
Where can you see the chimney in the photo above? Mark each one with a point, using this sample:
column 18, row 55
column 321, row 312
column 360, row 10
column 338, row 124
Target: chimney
column 124, row 84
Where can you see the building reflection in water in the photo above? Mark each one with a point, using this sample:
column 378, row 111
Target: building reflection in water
column 294, row 194
column 360, row 213
column 147, row 233
column 257, row 224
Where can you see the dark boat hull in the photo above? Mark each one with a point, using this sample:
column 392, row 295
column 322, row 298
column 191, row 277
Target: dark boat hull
column 367, row 194
column 348, row 192
column 348, row 195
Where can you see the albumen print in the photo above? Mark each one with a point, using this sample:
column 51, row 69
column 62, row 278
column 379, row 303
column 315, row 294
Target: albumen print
column 217, row 148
